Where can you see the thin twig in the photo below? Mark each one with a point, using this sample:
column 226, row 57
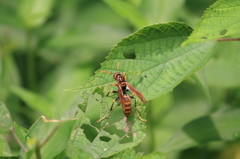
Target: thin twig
column 229, row 39
column 18, row 141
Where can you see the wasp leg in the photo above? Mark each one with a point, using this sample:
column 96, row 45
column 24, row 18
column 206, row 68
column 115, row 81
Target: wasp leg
column 110, row 108
column 111, row 92
column 135, row 107
column 110, row 86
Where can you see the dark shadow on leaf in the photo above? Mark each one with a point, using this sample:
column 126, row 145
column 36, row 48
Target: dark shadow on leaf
column 223, row 32
column 105, row 138
column 129, row 54
column 204, row 38
column 90, row 132
column 202, row 130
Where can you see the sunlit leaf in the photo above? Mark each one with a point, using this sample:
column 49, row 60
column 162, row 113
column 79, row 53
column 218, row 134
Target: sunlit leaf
column 159, row 56
column 220, row 126
column 219, row 20
column 5, row 118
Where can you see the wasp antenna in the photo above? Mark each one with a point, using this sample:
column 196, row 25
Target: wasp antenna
column 107, row 72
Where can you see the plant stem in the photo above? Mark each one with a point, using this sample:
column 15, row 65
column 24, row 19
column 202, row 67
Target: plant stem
column 30, row 62
column 151, row 128
column 18, row 141
column 38, row 153
column 229, row 39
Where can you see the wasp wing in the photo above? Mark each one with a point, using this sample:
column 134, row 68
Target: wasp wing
column 121, row 96
column 135, row 91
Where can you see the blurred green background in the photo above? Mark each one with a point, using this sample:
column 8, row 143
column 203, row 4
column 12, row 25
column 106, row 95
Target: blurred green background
column 47, row 46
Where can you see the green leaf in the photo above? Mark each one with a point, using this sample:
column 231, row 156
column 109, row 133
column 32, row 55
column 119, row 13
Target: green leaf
column 75, row 153
column 128, row 11
column 200, row 79
column 1, row 146
column 100, row 148
column 50, row 135
column 219, row 20
column 220, row 126
column 83, row 105
column 5, row 118
column 154, row 155
column 128, row 153
column 33, row 100
column 20, row 132
column 35, row 12
column 159, row 56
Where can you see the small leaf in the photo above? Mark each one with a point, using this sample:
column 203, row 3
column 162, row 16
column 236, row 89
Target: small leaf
column 99, row 90
column 128, row 11
column 5, row 118
column 20, row 132
column 220, row 126
column 219, row 20
column 83, row 105
column 57, row 132
column 33, row 100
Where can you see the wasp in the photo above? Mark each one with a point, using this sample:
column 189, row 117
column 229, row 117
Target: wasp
column 125, row 99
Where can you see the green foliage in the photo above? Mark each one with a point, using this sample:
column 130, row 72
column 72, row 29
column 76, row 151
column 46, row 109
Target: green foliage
column 221, row 125
column 47, row 45
column 5, row 120
column 49, row 135
column 159, row 56
column 219, row 20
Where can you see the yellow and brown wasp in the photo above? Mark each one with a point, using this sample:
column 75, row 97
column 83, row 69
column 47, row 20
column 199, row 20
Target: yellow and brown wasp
column 125, row 99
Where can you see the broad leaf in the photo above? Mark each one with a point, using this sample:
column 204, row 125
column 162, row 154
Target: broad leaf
column 158, row 55
column 220, row 126
column 219, row 20
column 51, row 135
column 5, row 118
